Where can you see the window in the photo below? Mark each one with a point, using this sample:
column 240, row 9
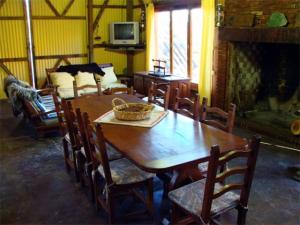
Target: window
column 178, row 41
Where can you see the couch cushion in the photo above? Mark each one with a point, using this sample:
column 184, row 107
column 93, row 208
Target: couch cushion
column 62, row 79
column 109, row 77
column 66, row 92
column 85, row 78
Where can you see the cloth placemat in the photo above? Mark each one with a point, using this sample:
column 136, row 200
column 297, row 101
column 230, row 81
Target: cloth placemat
column 156, row 116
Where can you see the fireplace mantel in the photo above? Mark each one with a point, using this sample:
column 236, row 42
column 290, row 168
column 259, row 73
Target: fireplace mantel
column 263, row 35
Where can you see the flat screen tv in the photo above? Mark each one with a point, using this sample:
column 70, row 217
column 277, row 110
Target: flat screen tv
column 124, row 33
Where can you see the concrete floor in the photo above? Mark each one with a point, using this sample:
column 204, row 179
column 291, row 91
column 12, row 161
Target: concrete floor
column 36, row 189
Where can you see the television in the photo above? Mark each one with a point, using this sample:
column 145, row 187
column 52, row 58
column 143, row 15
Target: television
column 124, row 33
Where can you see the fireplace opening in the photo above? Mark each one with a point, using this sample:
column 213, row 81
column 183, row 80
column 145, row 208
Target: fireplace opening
column 264, row 83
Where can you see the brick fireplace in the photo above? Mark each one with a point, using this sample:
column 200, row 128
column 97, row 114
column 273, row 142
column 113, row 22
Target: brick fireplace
column 257, row 67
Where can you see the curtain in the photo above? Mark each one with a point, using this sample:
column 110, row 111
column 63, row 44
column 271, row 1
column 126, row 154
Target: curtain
column 206, row 60
column 149, row 35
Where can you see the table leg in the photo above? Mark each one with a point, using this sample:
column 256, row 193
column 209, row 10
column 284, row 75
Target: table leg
column 181, row 175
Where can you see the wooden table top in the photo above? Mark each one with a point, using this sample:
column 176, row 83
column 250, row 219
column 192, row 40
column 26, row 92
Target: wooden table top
column 173, row 143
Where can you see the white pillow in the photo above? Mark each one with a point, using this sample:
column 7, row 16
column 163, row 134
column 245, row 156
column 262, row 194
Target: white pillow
column 109, row 77
column 66, row 92
column 84, row 78
column 62, row 79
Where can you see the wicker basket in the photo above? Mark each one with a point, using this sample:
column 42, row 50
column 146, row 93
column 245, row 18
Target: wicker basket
column 131, row 111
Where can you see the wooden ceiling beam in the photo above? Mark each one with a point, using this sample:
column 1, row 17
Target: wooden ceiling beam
column 100, row 13
column 6, row 70
column 53, row 9
column 67, row 7
column 2, row 3
column 110, row 6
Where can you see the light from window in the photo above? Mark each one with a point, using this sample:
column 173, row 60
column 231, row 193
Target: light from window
column 176, row 48
column 162, row 37
column 196, row 43
column 180, row 27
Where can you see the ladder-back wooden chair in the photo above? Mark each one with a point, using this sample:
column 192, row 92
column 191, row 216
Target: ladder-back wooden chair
column 84, row 158
column 217, row 117
column 69, row 131
column 159, row 94
column 121, row 90
column 186, row 106
column 96, row 89
column 206, row 199
column 66, row 141
column 121, row 176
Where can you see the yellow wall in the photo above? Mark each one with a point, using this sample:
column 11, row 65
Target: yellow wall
column 139, row 59
column 56, row 37
column 13, row 42
column 118, row 59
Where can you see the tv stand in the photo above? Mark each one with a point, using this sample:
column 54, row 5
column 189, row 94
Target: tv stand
column 114, row 47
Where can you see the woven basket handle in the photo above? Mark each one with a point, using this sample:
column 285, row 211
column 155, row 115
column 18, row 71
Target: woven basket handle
column 120, row 100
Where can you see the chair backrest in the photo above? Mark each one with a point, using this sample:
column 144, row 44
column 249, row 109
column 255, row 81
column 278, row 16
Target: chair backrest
column 72, row 126
column 97, row 146
column 186, row 106
column 185, row 89
column 48, row 72
column 83, row 135
column 218, row 115
column 214, row 177
column 60, row 114
column 121, row 90
column 159, row 93
column 78, row 88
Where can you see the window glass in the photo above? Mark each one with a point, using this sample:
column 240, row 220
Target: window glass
column 196, row 42
column 180, row 27
column 162, row 37
column 180, row 57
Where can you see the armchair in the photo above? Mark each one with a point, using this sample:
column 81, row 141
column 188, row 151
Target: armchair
column 36, row 105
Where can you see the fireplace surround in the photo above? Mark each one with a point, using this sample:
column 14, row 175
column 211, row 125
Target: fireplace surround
column 258, row 70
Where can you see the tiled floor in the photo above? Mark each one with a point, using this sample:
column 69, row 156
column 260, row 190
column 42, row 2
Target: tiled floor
column 36, row 189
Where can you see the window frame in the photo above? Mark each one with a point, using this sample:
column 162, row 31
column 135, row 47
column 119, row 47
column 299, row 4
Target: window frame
column 163, row 7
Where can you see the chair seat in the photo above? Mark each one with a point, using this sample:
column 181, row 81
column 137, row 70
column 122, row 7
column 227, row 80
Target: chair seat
column 190, row 198
column 112, row 153
column 124, row 172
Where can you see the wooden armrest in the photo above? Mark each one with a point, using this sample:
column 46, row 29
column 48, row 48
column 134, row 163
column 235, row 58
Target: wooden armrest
column 39, row 114
column 45, row 90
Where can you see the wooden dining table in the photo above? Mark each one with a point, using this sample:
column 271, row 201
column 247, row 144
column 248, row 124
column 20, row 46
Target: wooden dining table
column 177, row 143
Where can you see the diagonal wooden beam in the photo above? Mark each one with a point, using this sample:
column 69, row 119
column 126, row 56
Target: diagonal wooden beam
column 100, row 13
column 53, row 9
column 67, row 7
column 2, row 3
column 66, row 60
column 57, row 63
column 6, row 70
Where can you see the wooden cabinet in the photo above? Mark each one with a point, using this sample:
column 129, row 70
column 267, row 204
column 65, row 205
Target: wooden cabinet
column 142, row 81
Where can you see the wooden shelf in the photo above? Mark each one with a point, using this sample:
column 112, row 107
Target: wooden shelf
column 127, row 48
column 263, row 35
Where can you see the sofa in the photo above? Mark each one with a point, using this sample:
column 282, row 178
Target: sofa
column 62, row 78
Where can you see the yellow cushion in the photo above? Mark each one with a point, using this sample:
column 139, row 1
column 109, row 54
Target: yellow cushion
column 84, row 78
column 62, row 79
column 65, row 92
column 109, row 77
